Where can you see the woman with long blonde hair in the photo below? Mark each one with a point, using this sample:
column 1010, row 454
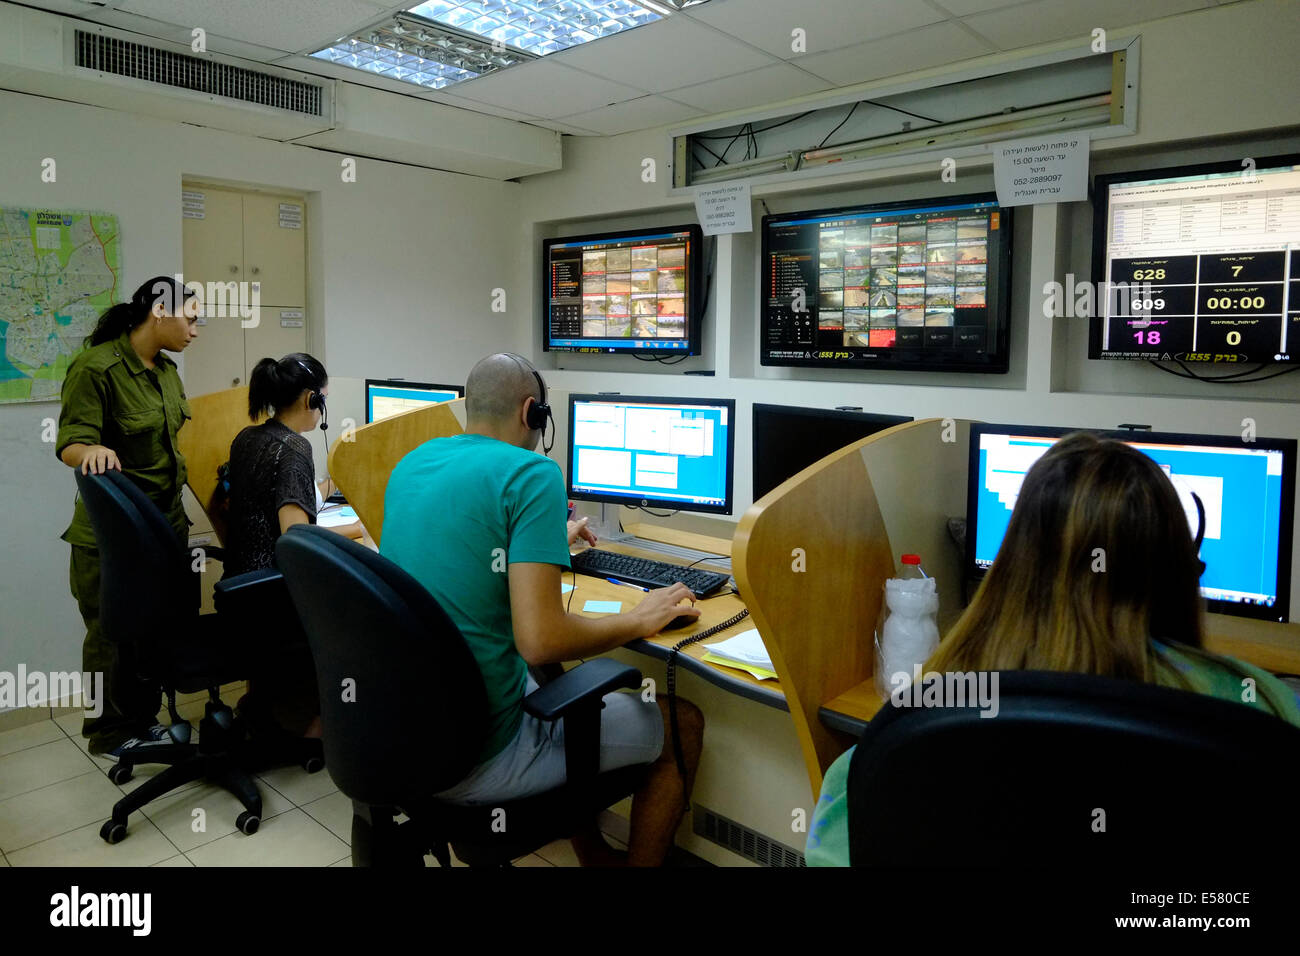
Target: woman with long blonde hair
column 1097, row 574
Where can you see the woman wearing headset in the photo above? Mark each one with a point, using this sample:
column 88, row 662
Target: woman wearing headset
column 272, row 476
column 123, row 404
column 272, row 488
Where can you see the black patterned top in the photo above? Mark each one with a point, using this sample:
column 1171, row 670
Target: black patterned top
column 270, row 466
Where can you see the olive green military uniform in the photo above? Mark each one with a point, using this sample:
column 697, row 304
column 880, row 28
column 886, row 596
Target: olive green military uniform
column 111, row 398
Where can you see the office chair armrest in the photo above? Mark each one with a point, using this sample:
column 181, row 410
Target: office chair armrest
column 212, row 552
column 585, row 683
column 245, row 593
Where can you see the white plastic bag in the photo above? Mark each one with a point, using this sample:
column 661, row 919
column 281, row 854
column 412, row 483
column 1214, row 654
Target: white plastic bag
column 909, row 631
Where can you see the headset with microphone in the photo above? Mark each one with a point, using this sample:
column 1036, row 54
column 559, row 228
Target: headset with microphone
column 539, row 413
column 1200, row 531
column 316, row 400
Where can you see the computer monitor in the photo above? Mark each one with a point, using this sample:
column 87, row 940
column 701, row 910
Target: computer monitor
column 1199, row 263
column 1247, row 489
column 388, row 396
column 788, row 439
column 673, row 453
column 922, row 285
column 636, row 291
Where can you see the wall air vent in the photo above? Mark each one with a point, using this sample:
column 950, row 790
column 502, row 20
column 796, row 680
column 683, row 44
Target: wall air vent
column 741, row 840
column 108, row 54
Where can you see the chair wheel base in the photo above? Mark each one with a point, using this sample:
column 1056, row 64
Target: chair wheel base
column 112, row 832
column 314, row 764
column 119, row 773
column 247, row 823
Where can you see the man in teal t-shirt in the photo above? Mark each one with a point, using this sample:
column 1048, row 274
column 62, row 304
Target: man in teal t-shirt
column 457, row 536
column 480, row 520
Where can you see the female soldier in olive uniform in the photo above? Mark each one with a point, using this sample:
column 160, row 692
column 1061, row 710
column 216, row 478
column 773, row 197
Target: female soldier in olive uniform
column 123, row 404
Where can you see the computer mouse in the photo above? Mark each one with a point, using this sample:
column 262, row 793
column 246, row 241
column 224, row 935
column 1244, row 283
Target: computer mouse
column 682, row 620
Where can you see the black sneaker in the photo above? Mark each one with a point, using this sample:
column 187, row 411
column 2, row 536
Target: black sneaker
column 155, row 736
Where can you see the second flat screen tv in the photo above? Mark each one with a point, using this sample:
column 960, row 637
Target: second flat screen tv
column 921, row 285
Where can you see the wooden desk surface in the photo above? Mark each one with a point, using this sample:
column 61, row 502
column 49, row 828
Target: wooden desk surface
column 714, row 610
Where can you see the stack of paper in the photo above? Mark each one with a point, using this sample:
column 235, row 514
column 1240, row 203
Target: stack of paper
column 745, row 652
column 336, row 517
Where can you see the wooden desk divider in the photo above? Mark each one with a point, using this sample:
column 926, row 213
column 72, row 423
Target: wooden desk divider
column 205, row 442
column 360, row 463
column 811, row 556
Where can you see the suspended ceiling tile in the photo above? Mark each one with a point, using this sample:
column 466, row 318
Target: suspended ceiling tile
column 664, row 55
column 80, row 8
column 931, row 46
column 964, row 8
column 290, row 25
column 545, row 89
column 1045, row 21
column 827, row 24
column 768, row 84
column 646, row 112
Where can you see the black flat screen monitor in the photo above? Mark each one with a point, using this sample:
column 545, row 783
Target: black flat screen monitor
column 645, row 451
column 389, row 396
column 1247, row 489
column 922, row 285
column 637, row 291
column 788, row 439
column 1198, row 263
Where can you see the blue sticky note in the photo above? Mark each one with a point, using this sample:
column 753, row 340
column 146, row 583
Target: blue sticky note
column 603, row 607
column 565, row 588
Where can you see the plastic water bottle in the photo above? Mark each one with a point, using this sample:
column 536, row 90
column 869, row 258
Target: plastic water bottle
column 907, row 631
column 912, row 568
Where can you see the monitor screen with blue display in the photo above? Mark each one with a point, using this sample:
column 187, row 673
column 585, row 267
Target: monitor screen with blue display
column 653, row 452
column 637, row 291
column 1246, row 488
column 386, row 397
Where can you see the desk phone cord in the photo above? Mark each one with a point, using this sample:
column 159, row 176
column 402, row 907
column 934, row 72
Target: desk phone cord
column 672, row 692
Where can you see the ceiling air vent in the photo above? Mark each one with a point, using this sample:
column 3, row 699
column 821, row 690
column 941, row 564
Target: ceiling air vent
column 107, row 54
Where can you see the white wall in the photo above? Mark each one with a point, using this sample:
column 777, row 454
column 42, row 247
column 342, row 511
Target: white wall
column 401, row 265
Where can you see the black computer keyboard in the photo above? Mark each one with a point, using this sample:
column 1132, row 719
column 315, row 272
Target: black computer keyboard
column 646, row 572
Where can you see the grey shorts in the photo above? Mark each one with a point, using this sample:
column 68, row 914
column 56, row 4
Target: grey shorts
column 631, row 732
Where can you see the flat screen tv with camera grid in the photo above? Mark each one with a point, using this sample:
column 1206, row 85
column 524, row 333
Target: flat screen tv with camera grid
column 1246, row 488
column 643, row 451
column 922, row 285
column 638, row 291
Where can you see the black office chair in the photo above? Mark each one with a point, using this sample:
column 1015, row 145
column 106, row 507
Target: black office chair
column 149, row 609
column 1172, row 776
column 404, row 714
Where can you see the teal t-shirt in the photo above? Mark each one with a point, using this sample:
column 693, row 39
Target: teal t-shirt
column 828, row 834
column 457, row 512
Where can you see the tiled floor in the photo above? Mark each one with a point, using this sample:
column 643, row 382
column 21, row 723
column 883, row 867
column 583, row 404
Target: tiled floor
column 54, row 797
